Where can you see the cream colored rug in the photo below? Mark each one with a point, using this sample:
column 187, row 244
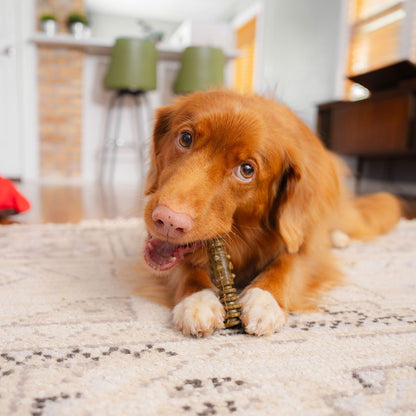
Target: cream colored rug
column 79, row 335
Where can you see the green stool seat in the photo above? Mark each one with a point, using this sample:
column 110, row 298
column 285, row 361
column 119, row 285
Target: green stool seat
column 131, row 74
column 202, row 68
column 132, row 65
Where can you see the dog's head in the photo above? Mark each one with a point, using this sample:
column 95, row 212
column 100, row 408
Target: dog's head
column 219, row 160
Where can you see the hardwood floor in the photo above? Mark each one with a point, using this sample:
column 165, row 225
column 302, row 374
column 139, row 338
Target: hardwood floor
column 74, row 203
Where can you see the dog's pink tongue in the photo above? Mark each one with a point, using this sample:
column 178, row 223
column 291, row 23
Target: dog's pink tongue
column 163, row 255
column 160, row 255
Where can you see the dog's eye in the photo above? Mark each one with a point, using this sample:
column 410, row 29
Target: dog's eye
column 244, row 172
column 185, row 139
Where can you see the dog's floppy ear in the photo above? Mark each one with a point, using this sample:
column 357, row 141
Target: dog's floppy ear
column 307, row 190
column 288, row 209
column 161, row 128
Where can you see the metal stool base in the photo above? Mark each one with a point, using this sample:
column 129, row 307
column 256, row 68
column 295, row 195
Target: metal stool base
column 112, row 141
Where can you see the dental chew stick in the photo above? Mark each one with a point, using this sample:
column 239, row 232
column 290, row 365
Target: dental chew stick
column 223, row 278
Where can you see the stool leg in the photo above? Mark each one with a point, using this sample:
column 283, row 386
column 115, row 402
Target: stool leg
column 115, row 143
column 107, row 137
column 149, row 110
column 141, row 142
column 147, row 133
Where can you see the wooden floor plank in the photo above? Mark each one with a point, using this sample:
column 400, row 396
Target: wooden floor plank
column 62, row 203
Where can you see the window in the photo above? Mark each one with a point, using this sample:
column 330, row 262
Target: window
column 379, row 36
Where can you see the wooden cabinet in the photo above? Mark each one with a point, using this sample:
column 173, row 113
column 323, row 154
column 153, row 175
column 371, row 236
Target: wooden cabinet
column 381, row 125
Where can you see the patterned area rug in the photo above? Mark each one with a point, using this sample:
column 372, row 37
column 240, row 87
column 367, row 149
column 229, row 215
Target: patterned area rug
column 81, row 334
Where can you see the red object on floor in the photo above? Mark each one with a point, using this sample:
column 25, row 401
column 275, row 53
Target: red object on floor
column 11, row 198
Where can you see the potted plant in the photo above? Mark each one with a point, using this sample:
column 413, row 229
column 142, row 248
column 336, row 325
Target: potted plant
column 48, row 24
column 78, row 24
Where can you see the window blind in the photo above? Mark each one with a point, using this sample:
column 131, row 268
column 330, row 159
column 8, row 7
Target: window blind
column 375, row 34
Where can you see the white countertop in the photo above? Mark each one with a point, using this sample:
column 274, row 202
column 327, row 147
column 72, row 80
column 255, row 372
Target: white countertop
column 103, row 46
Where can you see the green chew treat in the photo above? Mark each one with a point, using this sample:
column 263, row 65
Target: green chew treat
column 223, row 279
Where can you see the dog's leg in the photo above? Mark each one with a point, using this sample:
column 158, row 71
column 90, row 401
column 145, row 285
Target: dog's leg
column 263, row 303
column 291, row 282
column 261, row 314
column 198, row 310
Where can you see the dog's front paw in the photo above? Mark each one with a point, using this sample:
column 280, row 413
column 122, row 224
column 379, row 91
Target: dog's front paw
column 260, row 313
column 199, row 314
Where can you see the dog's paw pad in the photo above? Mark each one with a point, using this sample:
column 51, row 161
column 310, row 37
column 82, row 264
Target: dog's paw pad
column 340, row 239
column 260, row 313
column 199, row 314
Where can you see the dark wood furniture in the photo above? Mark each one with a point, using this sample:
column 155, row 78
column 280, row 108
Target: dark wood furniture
column 381, row 126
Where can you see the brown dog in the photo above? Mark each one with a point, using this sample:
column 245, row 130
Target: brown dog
column 249, row 170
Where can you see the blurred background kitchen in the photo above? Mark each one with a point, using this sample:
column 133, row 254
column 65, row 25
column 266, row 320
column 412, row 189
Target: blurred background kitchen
column 55, row 103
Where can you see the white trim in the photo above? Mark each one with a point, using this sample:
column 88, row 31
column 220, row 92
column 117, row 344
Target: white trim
column 259, row 51
column 246, row 15
column 343, row 47
column 406, row 38
column 103, row 46
column 255, row 11
column 28, row 91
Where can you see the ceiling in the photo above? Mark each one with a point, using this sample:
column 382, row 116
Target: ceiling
column 172, row 10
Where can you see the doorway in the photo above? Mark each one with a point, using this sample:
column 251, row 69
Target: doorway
column 10, row 134
column 18, row 122
column 244, row 65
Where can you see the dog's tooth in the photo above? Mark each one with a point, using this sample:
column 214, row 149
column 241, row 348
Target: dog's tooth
column 172, row 258
column 150, row 246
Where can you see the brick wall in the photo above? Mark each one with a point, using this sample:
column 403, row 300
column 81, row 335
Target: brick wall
column 60, row 111
column 60, row 92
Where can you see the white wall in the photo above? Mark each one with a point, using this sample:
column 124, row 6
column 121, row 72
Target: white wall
column 18, row 98
column 106, row 26
column 202, row 33
column 29, row 97
column 299, row 61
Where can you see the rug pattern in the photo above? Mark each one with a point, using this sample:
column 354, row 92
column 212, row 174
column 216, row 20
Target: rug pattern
column 80, row 335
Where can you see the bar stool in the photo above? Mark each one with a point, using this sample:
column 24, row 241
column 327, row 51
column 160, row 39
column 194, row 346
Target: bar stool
column 202, row 68
column 131, row 72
